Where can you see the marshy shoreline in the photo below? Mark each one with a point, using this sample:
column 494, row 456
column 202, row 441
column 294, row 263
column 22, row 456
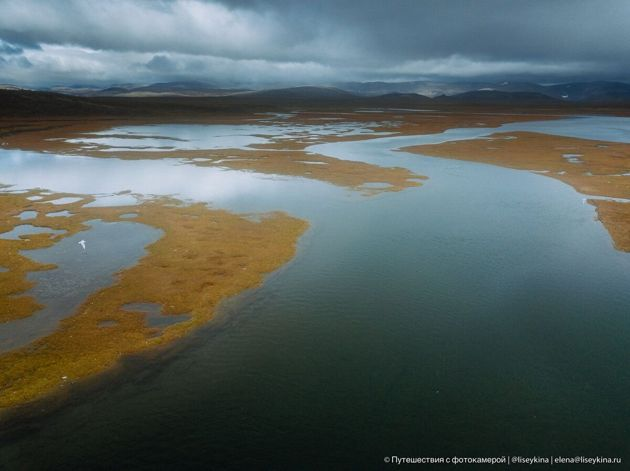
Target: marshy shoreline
column 289, row 156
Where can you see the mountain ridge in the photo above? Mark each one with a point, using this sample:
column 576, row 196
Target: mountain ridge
column 595, row 91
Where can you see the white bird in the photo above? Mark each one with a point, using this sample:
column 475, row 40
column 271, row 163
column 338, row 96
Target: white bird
column 82, row 243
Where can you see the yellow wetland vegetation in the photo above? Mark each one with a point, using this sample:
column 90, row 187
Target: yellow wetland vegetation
column 203, row 257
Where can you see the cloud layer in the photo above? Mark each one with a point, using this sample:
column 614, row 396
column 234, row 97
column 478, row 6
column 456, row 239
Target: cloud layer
column 238, row 42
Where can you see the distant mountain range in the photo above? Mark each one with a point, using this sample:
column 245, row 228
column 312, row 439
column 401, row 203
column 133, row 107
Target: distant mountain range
column 601, row 92
column 190, row 88
column 301, row 93
column 170, row 89
column 578, row 92
column 496, row 97
column 187, row 98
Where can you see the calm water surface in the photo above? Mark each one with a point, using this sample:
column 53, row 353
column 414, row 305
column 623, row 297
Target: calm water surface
column 110, row 247
column 485, row 313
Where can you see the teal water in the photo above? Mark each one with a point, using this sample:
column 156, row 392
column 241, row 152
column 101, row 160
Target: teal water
column 485, row 313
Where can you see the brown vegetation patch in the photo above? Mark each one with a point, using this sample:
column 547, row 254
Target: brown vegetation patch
column 616, row 218
column 204, row 256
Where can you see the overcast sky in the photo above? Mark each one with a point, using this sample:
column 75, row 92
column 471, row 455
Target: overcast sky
column 261, row 42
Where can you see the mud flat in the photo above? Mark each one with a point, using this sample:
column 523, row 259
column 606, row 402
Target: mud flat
column 203, row 257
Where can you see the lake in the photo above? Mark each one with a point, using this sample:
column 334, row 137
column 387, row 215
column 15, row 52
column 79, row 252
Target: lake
column 484, row 313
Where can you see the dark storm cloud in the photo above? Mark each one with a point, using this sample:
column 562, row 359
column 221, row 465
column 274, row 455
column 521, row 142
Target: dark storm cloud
column 316, row 41
column 161, row 63
column 499, row 29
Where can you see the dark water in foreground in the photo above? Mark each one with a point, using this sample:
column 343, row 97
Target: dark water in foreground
column 483, row 314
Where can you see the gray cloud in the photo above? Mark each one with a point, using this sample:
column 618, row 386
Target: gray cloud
column 286, row 41
column 161, row 63
column 9, row 49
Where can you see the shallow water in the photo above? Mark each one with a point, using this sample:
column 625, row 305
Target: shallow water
column 147, row 177
column 25, row 215
column 24, row 230
column 153, row 314
column 483, row 313
column 573, row 158
column 604, row 128
column 110, row 247
column 198, row 136
column 64, row 200
column 57, row 214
